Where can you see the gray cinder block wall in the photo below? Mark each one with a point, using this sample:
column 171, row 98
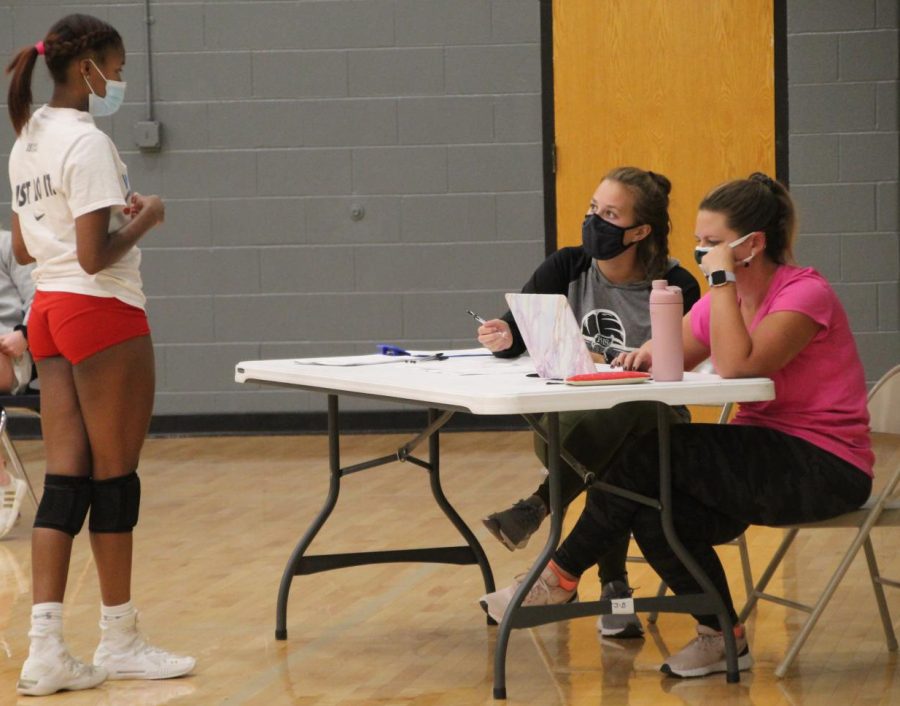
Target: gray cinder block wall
column 843, row 79
column 352, row 171
column 336, row 174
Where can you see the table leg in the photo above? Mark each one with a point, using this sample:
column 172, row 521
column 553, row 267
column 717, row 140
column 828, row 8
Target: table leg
column 709, row 601
column 334, row 486
column 553, row 457
column 665, row 495
column 434, row 473
column 300, row 563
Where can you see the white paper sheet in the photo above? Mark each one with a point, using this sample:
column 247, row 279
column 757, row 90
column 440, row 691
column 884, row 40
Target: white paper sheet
column 417, row 357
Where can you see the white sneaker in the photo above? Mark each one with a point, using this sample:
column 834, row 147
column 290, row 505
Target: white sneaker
column 125, row 654
column 10, row 503
column 546, row 591
column 705, row 654
column 48, row 673
column 135, row 659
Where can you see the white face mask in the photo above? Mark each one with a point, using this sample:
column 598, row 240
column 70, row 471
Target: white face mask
column 109, row 104
column 699, row 252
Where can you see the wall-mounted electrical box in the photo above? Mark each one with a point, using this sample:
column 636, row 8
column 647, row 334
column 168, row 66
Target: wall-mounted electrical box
column 147, row 135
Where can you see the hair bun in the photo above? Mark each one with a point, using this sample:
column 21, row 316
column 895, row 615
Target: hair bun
column 662, row 182
column 763, row 179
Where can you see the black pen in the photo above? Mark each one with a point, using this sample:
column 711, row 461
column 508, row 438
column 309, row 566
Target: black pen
column 475, row 316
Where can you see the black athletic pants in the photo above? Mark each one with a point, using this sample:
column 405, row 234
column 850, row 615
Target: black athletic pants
column 594, row 438
column 724, row 478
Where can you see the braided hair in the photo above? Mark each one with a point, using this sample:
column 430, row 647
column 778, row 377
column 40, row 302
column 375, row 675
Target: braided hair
column 70, row 38
column 757, row 203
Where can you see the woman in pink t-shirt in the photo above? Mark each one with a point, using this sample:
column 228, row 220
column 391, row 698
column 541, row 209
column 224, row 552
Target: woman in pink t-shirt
column 802, row 457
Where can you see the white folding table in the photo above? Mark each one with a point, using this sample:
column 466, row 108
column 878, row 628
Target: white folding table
column 492, row 386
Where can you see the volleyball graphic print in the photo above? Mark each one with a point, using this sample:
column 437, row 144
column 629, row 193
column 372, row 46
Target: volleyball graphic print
column 604, row 333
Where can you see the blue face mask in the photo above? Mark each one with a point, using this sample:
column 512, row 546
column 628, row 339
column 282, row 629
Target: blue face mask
column 100, row 107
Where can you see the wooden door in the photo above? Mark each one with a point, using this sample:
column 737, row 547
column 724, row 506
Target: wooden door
column 681, row 87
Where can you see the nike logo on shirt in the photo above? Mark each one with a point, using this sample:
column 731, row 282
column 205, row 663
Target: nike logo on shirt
column 39, row 217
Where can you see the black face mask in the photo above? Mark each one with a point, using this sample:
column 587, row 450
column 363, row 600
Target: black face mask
column 603, row 240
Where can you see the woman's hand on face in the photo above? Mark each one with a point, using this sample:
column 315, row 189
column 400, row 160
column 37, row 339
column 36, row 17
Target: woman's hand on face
column 495, row 335
column 720, row 257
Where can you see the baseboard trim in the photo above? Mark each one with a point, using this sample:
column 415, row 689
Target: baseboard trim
column 401, row 421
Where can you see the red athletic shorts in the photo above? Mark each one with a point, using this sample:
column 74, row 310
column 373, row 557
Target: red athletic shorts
column 76, row 326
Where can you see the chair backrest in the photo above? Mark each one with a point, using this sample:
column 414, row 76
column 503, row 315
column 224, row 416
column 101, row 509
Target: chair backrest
column 884, row 500
column 884, row 403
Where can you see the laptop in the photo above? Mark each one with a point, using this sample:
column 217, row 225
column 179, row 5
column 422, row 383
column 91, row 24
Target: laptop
column 552, row 336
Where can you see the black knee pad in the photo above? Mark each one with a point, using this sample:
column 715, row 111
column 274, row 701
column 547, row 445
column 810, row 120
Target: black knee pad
column 64, row 504
column 115, row 503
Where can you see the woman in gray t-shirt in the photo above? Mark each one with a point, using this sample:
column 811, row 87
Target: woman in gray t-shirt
column 607, row 283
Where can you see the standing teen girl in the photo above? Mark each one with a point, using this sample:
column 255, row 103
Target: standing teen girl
column 76, row 216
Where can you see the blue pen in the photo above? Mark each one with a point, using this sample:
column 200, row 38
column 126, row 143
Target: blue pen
column 387, row 349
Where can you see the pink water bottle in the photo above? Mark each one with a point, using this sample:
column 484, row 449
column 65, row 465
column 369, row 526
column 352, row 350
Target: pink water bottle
column 666, row 311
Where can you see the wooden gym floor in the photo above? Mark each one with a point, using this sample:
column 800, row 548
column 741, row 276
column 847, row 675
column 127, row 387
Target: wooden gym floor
column 220, row 516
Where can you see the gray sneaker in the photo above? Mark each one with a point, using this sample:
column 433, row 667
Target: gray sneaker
column 705, row 654
column 619, row 625
column 514, row 526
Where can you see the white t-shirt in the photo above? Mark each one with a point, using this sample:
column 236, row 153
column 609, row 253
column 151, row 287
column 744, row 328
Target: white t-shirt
column 61, row 167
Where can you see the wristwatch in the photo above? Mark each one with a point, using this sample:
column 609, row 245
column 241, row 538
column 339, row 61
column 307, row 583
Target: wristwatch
column 720, row 278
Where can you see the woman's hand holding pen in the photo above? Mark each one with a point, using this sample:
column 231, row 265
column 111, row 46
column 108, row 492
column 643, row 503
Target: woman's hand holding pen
column 641, row 359
column 495, row 335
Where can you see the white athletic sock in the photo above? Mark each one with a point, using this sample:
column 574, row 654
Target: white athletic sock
column 118, row 625
column 116, row 613
column 46, row 627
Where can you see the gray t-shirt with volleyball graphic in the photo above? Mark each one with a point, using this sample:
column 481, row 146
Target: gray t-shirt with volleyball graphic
column 613, row 317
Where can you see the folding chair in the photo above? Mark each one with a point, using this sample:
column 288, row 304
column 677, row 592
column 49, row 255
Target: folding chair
column 31, row 403
column 884, row 403
column 881, row 510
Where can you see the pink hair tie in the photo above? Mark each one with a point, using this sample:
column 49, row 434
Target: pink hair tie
column 40, row 47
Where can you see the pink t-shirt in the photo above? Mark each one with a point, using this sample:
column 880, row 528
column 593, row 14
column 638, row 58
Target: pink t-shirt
column 820, row 396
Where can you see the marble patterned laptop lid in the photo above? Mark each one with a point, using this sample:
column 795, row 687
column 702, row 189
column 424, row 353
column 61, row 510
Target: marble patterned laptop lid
column 551, row 335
